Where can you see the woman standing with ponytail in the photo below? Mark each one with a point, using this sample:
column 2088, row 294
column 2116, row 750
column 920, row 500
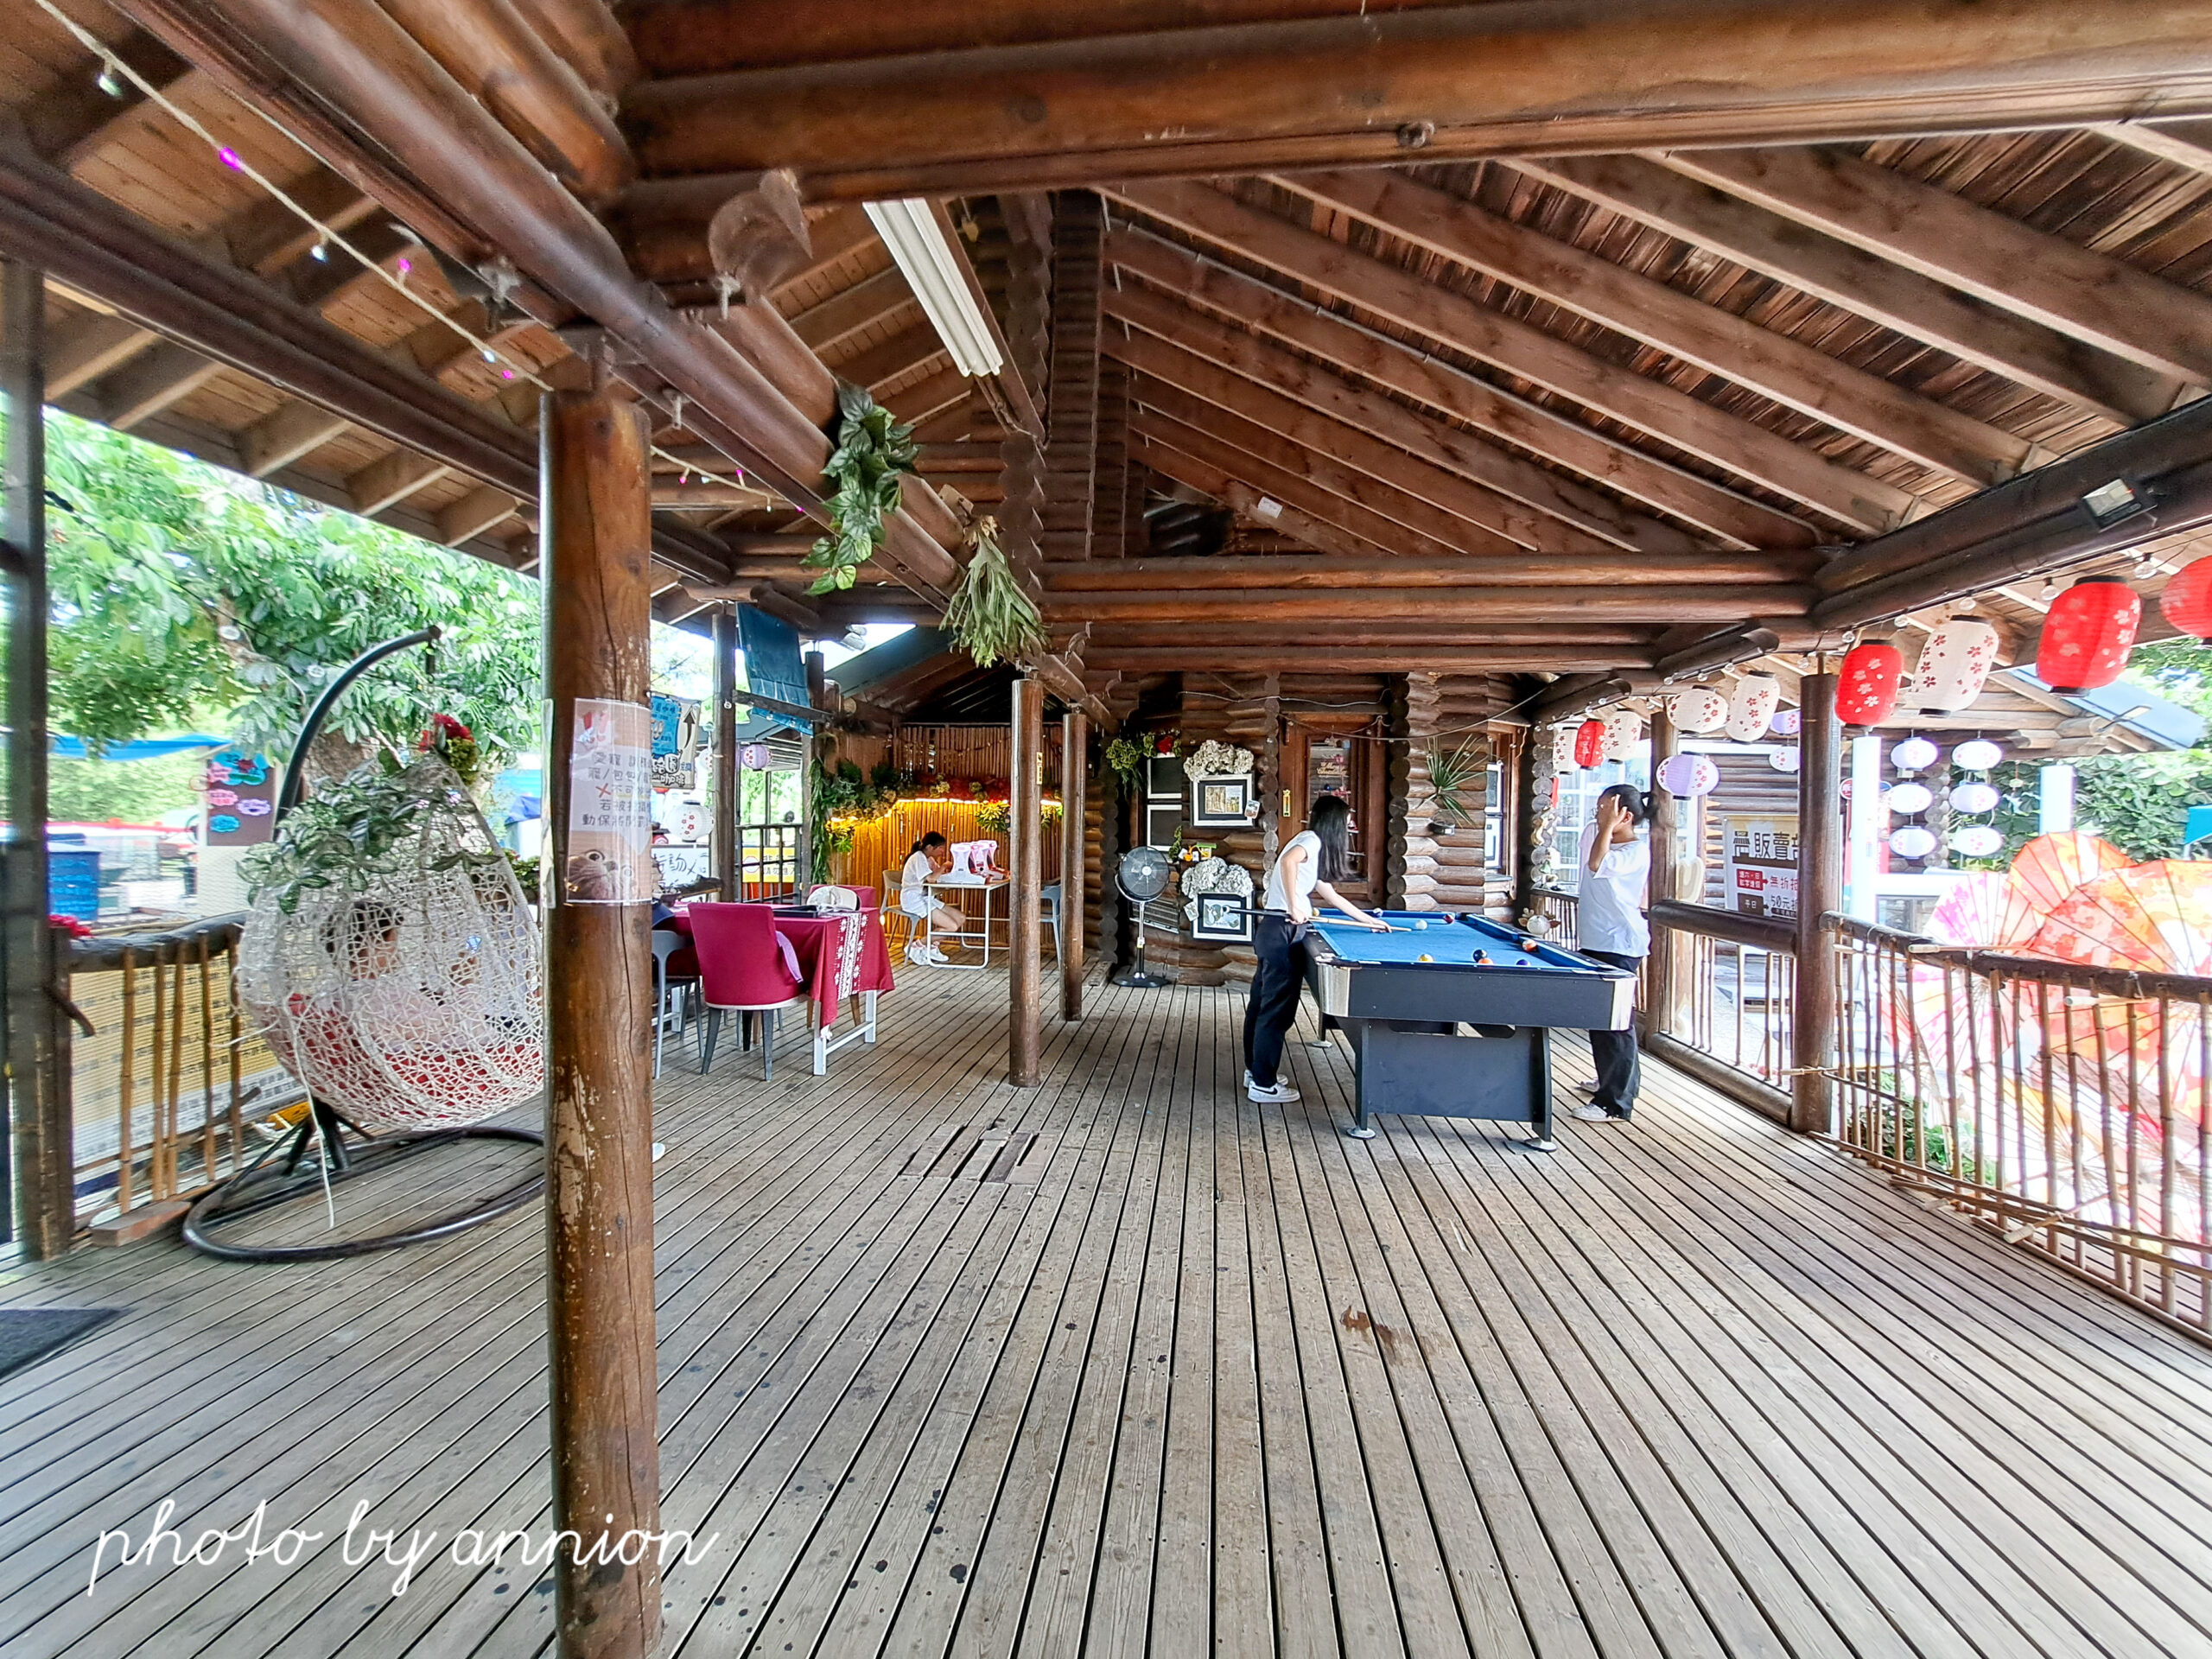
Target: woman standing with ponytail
column 1315, row 858
column 1616, row 865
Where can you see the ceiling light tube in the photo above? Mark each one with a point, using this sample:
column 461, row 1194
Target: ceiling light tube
column 932, row 270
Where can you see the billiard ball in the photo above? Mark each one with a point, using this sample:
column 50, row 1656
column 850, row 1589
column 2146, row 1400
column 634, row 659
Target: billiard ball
column 1424, row 956
column 1420, row 927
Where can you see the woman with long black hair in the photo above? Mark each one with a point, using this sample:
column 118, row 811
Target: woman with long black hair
column 1313, row 862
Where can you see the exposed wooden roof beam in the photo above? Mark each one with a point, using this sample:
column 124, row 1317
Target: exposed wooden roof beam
column 2091, row 296
column 76, row 118
column 1455, row 82
column 151, row 382
column 1565, row 507
column 390, row 479
column 1255, row 307
column 1355, row 450
column 1304, row 655
column 1775, row 366
column 1648, row 605
column 1208, row 480
column 885, row 360
column 871, row 301
column 466, row 516
column 268, row 236
column 1724, row 440
column 1863, row 283
column 928, row 398
column 284, row 435
column 1287, row 570
column 88, row 346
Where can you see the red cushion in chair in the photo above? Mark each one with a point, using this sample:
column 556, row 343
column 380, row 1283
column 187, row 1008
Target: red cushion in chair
column 740, row 966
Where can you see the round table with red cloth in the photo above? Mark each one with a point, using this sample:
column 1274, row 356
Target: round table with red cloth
column 817, row 941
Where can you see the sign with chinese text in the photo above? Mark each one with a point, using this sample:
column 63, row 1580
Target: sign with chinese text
column 1759, row 866
column 609, row 849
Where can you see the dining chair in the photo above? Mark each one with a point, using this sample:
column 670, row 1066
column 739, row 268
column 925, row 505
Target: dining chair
column 666, row 943
column 1048, row 900
column 742, row 972
column 899, row 928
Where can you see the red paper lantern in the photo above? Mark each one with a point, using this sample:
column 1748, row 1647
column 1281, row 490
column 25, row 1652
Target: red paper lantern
column 2187, row 601
column 1590, row 743
column 1866, row 685
column 2087, row 637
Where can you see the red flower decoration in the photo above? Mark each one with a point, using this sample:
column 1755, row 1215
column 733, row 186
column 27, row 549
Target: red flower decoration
column 72, row 925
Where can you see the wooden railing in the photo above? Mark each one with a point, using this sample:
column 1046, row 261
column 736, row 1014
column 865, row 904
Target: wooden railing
column 1724, row 1012
column 1556, row 916
column 165, row 1088
column 2062, row 1107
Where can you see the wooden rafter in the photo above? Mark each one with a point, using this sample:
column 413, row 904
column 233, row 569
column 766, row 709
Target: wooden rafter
column 2090, row 297
column 1465, row 80
column 1256, row 309
column 1196, row 474
column 1863, row 282
column 1721, row 439
column 1773, row 365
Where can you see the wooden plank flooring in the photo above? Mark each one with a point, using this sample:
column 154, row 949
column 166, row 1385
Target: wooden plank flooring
column 1125, row 1365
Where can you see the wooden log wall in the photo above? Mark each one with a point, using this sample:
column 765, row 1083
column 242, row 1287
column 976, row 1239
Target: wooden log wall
column 1117, row 489
column 1433, row 865
column 1072, row 417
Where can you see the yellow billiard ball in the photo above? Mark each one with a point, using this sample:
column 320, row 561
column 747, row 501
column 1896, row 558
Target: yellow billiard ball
column 1424, row 956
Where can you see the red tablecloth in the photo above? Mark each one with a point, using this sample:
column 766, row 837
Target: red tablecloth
column 819, row 943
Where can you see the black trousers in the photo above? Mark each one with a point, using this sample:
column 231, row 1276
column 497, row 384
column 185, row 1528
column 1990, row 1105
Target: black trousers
column 1274, row 1001
column 1615, row 1051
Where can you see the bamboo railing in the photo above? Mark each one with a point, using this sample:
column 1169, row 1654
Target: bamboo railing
column 2061, row 1107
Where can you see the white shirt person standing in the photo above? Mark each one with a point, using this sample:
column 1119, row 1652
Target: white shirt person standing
column 1616, row 867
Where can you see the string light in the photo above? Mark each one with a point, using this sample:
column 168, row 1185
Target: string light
column 115, row 72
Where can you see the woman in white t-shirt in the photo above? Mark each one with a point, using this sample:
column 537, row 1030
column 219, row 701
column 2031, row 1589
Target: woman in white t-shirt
column 932, row 857
column 1308, row 864
column 1609, row 920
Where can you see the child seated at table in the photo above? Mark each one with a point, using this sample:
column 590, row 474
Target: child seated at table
column 932, row 857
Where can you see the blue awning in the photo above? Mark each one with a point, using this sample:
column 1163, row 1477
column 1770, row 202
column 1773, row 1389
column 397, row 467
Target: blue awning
column 144, row 748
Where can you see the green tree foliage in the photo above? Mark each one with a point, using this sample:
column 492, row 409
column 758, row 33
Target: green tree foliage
column 135, row 792
column 181, row 593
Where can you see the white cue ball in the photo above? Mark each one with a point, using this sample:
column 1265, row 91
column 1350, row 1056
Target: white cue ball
column 1422, row 926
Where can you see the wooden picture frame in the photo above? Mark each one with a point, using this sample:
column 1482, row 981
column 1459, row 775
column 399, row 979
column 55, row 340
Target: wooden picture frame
column 1222, row 801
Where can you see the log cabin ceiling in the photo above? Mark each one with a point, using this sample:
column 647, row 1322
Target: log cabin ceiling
column 1400, row 295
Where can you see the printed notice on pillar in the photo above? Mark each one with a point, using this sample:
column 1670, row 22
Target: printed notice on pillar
column 610, row 806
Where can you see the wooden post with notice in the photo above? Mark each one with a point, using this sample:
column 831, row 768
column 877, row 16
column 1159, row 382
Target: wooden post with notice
column 38, row 1090
column 597, row 530
column 1661, row 969
column 1820, row 889
column 727, row 781
column 1075, row 751
column 1026, row 950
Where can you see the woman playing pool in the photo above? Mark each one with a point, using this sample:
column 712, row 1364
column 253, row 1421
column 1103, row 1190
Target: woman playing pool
column 1315, row 860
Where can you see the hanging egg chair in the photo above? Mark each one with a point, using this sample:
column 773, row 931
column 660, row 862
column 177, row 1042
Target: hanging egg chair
column 390, row 959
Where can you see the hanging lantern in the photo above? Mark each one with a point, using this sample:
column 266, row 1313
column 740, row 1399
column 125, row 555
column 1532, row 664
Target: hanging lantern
column 754, row 756
column 1914, row 841
column 1866, row 685
column 1590, row 744
column 1701, row 709
column 2187, row 601
column 1955, row 664
column 1787, row 722
column 1905, row 799
column 1623, row 727
column 1563, row 748
column 1752, row 707
column 1783, row 760
column 1974, row 798
column 1913, row 755
column 2088, row 633
column 1979, row 841
column 1976, row 755
column 1688, row 775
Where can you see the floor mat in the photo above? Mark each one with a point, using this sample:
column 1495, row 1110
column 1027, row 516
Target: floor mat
column 29, row 1334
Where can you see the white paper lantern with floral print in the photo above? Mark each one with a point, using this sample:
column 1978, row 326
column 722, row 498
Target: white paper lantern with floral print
column 1955, row 664
column 1623, row 727
column 1752, row 707
column 1979, row 841
column 1783, row 760
column 1562, row 749
column 1688, row 775
column 1913, row 755
column 1701, row 709
column 1977, row 754
column 1975, row 797
column 1914, row 841
column 1905, row 799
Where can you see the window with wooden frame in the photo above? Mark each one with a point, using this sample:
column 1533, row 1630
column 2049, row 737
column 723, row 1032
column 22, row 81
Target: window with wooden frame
column 1340, row 754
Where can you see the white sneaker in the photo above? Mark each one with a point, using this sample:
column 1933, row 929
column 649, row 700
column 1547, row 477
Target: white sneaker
column 921, row 955
column 1590, row 1112
column 1280, row 1095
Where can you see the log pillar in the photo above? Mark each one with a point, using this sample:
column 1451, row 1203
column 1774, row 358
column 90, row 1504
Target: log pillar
column 726, row 780
column 1661, row 973
column 597, row 530
column 1820, row 889
column 38, row 1096
column 1025, row 956
column 1525, row 840
column 1075, row 751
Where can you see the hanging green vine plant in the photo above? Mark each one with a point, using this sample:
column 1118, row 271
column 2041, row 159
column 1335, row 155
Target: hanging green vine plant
column 990, row 615
column 873, row 453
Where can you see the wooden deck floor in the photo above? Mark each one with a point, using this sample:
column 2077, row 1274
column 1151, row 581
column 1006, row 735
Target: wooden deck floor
column 1178, row 1375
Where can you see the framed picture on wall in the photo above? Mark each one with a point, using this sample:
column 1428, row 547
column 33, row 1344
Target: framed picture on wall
column 1161, row 820
column 1224, row 917
column 1163, row 778
column 1222, row 801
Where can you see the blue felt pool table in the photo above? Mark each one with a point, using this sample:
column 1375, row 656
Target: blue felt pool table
column 1451, row 1015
